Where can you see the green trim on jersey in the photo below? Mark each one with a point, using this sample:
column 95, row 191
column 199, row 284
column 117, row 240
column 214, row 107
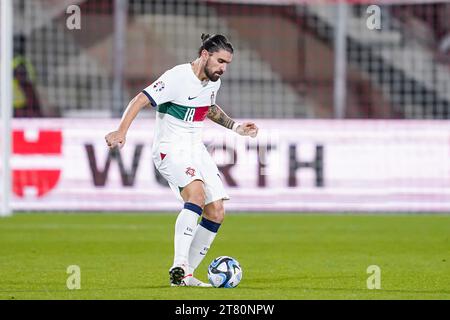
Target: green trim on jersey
column 181, row 112
column 175, row 110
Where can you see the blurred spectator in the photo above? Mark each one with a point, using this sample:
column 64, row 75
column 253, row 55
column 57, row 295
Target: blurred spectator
column 26, row 101
column 444, row 23
column 444, row 46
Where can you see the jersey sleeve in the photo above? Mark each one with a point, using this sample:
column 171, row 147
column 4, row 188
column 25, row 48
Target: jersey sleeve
column 162, row 90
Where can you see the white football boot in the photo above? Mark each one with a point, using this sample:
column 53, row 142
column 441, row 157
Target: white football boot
column 191, row 281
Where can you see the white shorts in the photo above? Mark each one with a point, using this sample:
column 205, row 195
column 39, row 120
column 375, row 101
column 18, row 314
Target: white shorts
column 180, row 165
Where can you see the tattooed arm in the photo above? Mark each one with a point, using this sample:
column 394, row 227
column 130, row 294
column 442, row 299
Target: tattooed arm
column 217, row 115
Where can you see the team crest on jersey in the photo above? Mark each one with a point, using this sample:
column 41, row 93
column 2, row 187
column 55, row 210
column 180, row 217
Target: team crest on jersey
column 212, row 98
column 190, row 171
column 159, row 86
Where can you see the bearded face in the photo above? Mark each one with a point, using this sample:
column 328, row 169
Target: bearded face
column 210, row 73
column 216, row 65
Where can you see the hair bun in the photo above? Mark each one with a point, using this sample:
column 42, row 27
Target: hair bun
column 205, row 36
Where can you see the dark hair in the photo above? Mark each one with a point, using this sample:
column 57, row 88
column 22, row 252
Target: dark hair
column 215, row 43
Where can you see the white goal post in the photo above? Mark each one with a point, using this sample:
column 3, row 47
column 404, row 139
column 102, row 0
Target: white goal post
column 6, row 100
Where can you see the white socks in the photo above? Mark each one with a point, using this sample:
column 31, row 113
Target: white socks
column 204, row 236
column 192, row 241
column 184, row 232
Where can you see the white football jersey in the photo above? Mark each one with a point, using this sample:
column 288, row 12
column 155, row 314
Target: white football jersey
column 182, row 102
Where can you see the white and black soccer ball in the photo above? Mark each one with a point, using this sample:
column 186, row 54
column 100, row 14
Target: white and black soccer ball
column 224, row 272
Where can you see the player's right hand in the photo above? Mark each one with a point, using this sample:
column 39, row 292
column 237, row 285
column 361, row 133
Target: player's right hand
column 115, row 139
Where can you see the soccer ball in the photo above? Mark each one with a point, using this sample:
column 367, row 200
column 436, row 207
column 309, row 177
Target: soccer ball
column 224, row 272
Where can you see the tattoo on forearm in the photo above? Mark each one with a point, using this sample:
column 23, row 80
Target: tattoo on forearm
column 217, row 115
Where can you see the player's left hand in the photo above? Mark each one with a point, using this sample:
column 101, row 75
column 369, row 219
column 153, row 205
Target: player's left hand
column 247, row 129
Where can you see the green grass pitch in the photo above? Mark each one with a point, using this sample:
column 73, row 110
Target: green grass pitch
column 283, row 256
